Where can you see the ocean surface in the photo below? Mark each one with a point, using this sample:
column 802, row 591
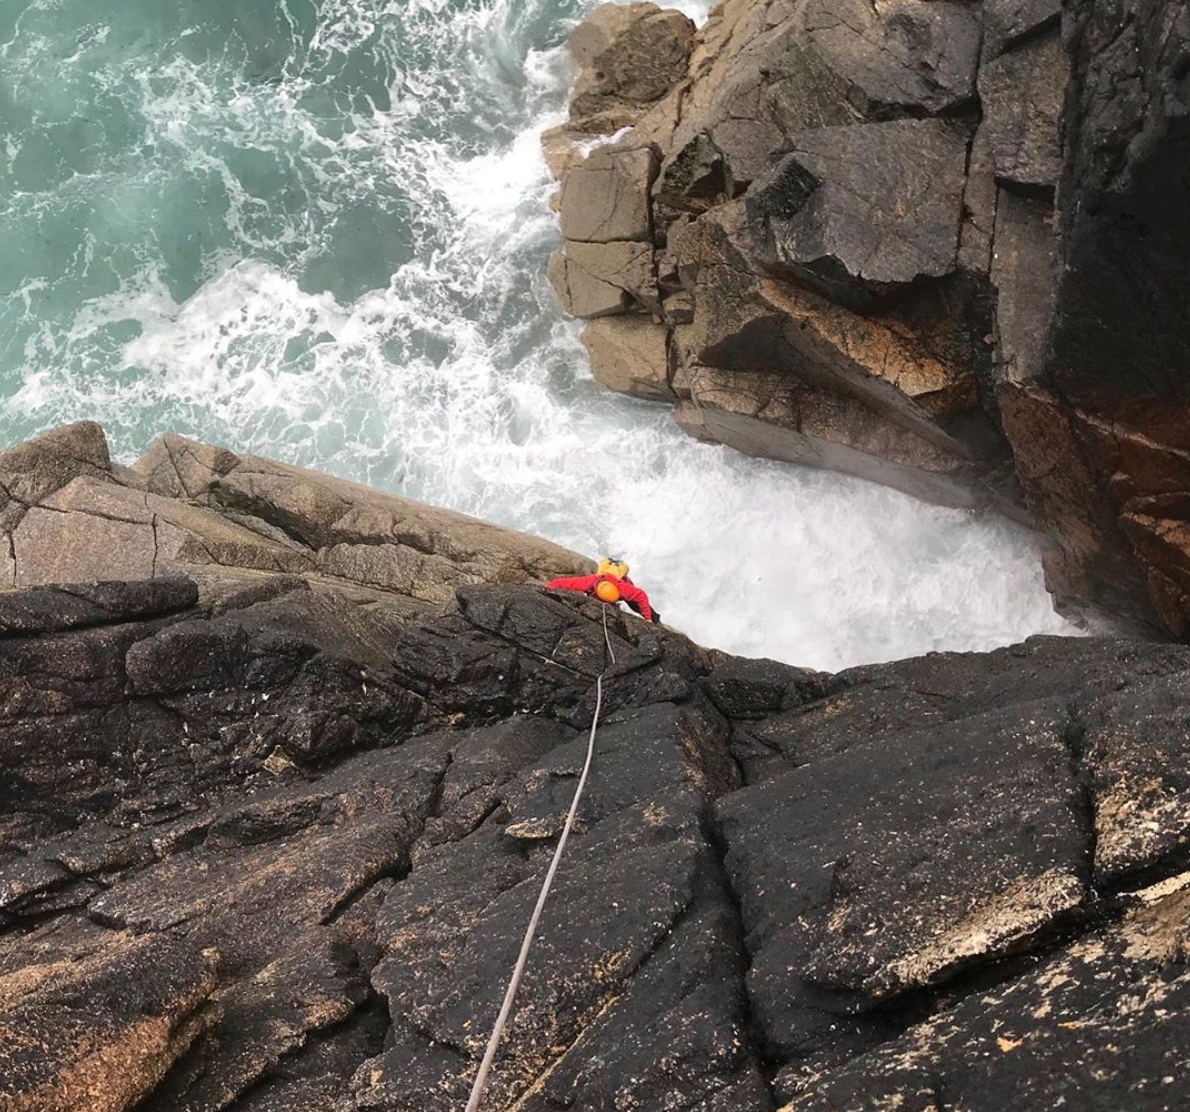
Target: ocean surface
column 318, row 231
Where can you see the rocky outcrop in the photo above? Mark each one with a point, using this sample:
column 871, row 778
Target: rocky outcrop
column 628, row 57
column 927, row 243
column 811, row 209
column 239, row 523
column 274, row 848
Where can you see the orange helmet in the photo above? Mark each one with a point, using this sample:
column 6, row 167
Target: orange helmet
column 607, row 591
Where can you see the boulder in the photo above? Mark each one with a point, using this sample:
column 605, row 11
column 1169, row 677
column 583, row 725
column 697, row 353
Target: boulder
column 605, row 198
column 602, row 279
column 627, row 56
column 861, row 212
column 629, row 355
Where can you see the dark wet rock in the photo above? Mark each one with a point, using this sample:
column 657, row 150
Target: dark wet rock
column 1135, row 749
column 1022, row 92
column 1075, row 1032
column 55, row 609
column 745, row 689
column 263, row 1020
column 858, row 212
column 641, row 754
column 274, row 848
column 990, row 802
column 686, row 999
column 99, row 1027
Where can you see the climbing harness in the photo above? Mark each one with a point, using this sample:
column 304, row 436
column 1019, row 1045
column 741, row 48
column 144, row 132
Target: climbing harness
column 514, row 983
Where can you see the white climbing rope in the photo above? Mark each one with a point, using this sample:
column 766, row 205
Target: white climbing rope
column 481, row 1078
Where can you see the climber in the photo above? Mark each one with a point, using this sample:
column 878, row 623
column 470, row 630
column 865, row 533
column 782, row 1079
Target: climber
column 610, row 584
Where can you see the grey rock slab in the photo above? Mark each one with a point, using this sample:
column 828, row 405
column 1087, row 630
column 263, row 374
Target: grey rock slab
column 583, row 294
column 626, row 265
column 629, row 54
column 1022, row 92
column 1007, row 22
column 897, row 55
column 861, row 211
column 605, row 198
column 1025, row 273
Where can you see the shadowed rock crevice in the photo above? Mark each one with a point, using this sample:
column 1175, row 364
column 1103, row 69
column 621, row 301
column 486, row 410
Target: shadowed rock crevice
column 767, row 1058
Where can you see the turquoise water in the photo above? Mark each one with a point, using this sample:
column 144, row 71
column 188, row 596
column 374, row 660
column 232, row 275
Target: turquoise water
column 318, row 231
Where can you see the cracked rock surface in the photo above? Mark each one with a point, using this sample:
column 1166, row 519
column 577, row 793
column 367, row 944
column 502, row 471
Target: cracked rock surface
column 275, row 849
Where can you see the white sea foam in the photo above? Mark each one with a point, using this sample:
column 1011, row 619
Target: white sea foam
column 457, row 380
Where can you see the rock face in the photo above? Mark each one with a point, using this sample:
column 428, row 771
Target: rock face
column 628, row 57
column 273, row 848
column 236, row 523
column 1114, row 393
column 923, row 242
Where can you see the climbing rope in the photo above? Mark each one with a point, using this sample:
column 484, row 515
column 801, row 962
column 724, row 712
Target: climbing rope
column 481, row 1078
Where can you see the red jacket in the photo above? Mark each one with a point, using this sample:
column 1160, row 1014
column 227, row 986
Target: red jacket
column 629, row 592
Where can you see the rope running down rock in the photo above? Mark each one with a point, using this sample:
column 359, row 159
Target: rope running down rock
column 514, row 983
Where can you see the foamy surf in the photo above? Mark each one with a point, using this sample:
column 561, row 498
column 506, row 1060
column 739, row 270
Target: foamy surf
column 325, row 240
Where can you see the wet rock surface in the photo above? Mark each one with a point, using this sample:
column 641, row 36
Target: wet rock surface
column 926, row 243
column 275, row 849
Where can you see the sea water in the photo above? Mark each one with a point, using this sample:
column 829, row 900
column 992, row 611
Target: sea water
column 318, row 230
